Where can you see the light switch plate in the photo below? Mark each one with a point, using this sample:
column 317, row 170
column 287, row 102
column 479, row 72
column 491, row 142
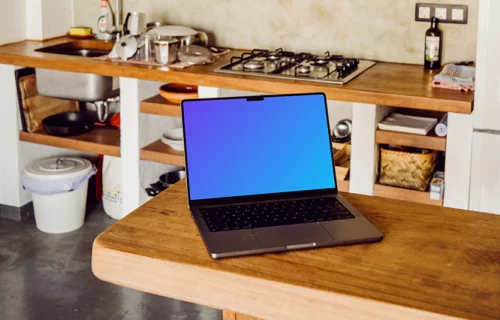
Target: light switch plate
column 424, row 12
column 446, row 13
column 457, row 14
column 441, row 14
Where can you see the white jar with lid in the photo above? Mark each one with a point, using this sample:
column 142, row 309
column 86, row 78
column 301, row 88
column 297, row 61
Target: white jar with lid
column 59, row 189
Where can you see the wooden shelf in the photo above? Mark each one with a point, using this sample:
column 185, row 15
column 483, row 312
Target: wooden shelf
column 99, row 141
column 162, row 153
column 380, row 190
column 430, row 141
column 343, row 185
column 158, row 105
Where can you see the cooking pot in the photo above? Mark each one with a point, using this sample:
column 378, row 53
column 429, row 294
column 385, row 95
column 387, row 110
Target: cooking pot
column 186, row 36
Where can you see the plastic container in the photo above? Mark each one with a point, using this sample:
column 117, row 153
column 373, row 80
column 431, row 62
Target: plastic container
column 111, row 187
column 59, row 188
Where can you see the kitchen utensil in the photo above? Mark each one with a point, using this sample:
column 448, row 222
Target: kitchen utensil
column 166, row 50
column 135, row 24
column 342, row 131
column 193, row 54
column 126, row 47
column 153, row 25
column 68, row 124
column 173, row 177
column 174, row 138
column 34, row 107
column 176, row 92
column 185, row 35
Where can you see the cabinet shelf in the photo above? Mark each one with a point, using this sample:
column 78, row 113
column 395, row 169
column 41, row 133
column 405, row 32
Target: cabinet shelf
column 430, row 141
column 99, row 141
column 162, row 153
column 396, row 193
column 159, row 106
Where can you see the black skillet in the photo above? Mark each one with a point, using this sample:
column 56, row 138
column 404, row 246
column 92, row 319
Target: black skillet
column 68, row 124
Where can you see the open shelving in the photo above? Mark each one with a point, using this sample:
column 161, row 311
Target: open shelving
column 429, row 141
column 384, row 191
column 159, row 106
column 162, row 153
column 99, row 141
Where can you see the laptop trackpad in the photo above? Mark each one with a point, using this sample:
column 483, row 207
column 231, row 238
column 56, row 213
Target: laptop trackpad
column 307, row 233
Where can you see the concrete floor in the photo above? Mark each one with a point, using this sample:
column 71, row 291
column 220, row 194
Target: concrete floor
column 44, row 276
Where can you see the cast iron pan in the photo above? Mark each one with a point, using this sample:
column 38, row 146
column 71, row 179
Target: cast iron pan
column 68, row 124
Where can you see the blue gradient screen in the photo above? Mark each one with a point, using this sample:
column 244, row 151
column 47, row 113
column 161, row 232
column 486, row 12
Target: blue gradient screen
column 236, row 147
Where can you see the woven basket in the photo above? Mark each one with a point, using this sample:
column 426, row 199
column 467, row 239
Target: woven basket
column 407, row 169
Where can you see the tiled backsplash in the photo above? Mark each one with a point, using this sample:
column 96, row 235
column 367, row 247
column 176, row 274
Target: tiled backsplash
column 371, row 29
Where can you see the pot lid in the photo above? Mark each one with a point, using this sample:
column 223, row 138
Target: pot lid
column 58, row 168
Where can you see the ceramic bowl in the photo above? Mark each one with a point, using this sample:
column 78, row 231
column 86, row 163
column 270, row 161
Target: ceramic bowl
column 176, row 92
column 174, row 138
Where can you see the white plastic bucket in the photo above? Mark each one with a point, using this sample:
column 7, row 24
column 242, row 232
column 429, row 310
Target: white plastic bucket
column 60, row 213
column 59, row 188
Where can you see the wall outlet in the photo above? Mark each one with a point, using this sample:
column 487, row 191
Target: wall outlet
column 446, row 13
column 441, row 13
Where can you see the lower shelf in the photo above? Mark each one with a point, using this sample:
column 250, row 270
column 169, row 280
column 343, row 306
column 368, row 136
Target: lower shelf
column 380, row 190
column 162, row 153
column 343, row 185
column 99, row 141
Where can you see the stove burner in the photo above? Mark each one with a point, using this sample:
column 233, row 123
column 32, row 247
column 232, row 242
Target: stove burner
column 274, row 56
column 320, row 62
column 304, row 69
column 253, row 65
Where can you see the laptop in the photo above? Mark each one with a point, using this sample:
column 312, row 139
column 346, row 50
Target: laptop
column 261, row 176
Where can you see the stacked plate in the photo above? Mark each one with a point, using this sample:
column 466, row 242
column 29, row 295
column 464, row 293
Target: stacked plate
column 174, row 138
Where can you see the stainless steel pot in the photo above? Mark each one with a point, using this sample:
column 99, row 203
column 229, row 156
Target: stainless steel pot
column 166, row 50
column 199, row 39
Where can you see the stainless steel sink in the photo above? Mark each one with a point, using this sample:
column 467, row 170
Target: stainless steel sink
column 84, row 87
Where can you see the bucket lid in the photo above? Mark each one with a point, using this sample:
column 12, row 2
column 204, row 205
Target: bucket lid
column 58, row 168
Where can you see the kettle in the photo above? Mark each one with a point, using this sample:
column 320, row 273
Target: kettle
column 135, row 24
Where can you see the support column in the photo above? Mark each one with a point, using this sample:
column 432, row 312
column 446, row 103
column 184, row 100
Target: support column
column 364, row 150
column 11, row 166
column 130, row 147
column 458, row 160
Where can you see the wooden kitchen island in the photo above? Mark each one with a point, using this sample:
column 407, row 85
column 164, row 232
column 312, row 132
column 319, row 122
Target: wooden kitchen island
column 433, row 263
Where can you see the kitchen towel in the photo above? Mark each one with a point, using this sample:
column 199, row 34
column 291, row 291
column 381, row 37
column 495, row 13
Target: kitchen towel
column 456, row 78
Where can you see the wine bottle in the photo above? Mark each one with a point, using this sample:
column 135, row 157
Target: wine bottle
column 433, row 46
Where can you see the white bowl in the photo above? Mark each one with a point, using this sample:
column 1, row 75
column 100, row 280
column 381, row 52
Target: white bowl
column 174, row 138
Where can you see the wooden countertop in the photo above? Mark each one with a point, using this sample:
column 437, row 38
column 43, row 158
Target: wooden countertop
column 388, row 84
column 433, row 262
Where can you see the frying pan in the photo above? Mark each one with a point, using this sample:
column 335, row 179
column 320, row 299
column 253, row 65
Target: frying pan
column 68, row 124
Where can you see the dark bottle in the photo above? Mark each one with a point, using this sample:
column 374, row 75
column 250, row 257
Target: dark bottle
column 433, row 46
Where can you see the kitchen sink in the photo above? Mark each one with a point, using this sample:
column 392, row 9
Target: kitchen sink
column 82, row 48
column 84, row 87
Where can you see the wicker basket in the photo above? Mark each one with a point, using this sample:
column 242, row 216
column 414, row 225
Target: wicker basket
column 407, row 169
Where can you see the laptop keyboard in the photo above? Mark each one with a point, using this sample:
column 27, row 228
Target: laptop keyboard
column 272, row 214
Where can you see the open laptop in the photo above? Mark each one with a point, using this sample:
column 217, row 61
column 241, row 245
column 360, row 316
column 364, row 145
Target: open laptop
column 261, row 177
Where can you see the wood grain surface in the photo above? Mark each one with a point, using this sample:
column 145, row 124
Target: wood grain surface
column 429, row 141
column 433, row 263
column 158, row 105
column 162, row 153
column 388, row 84
column 99, row 141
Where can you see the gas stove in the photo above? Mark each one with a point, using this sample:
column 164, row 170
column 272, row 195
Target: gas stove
column 282, row 64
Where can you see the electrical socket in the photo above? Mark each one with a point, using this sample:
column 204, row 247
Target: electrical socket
column 446, row 13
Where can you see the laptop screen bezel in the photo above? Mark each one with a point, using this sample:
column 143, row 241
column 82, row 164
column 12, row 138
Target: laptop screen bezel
column 260, row 197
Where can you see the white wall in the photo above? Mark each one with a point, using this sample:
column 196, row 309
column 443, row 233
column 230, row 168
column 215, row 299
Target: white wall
column 371, row 29
column 47, row 19
column 12, row 21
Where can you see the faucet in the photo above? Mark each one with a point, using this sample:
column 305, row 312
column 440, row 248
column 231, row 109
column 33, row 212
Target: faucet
column 118, row 27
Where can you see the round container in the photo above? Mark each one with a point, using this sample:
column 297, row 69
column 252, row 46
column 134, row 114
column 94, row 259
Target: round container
column 176, row 92
column 174, row 138
column 166, row 50
column 63, row 212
